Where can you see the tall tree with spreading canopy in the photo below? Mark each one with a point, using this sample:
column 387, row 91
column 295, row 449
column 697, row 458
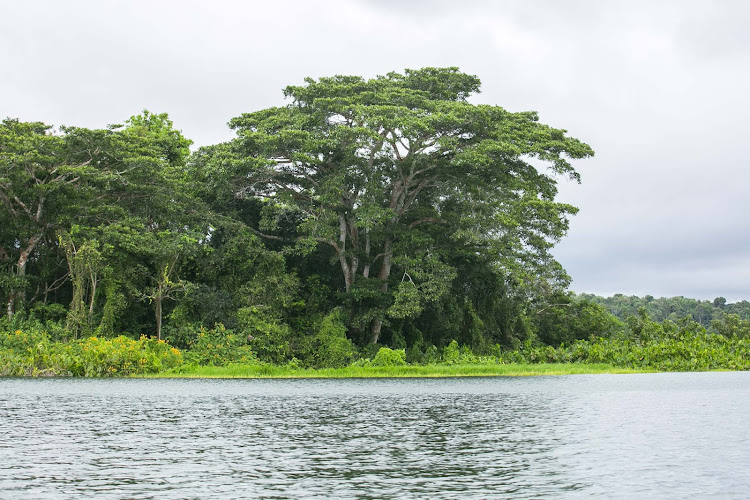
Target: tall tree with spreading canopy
column 39, row 177
column 388, row 172
column 100, row 194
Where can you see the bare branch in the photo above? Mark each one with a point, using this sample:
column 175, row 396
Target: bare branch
column 413, row 195
column 22, row 205
column 426, row 219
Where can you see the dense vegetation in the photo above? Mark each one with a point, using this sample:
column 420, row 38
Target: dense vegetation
column 717, row 315
column 366, row 221
column 642, row 345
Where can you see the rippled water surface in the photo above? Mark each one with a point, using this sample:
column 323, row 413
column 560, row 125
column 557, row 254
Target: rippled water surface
column 609, row 436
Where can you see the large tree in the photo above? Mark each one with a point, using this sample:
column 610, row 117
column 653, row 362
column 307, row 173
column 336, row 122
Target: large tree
column 39, row 178
column 115, row 199
column 393, row 172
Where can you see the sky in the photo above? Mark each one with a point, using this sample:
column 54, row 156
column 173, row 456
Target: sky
column 659, row 89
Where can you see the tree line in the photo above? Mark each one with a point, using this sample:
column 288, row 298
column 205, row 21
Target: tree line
column 364, row 212
column 718, row 316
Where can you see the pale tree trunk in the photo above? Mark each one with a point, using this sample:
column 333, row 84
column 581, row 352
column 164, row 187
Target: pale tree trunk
column 403, row 195
column 11, row 304
column 94, row 282
column 350, row 264
column 385, row 273
column 17, row 296
column 345, row 268
column 366, row 270
column 157, row 307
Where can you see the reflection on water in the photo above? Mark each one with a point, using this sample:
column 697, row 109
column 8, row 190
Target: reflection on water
column 612, row 436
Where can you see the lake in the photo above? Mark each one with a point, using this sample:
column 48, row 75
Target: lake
column 579, row 436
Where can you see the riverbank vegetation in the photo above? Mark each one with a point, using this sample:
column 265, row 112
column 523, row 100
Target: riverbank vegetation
column 644, row 345
column 366, row 221
column 403, row 371
column 31, row 353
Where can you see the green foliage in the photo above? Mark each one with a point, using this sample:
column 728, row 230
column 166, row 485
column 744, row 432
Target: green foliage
column 671, row 349
column 406, row 301
column 219, row 346
column 331, row 347
column 731, row 325
column 99, row 357
column 451, row 353
column 389, row 357
column 673, row 308
column 642, row 328
column 393, row 176
column 271, row 341
column 23, row 340
column 564, row 320
column 31, row 353
column 365, row 370
column 47, row 313
column 484, row 308
column 367, row 212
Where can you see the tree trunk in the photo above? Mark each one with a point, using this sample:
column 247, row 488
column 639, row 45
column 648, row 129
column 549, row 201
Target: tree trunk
column 17, row 296
column 377, row 325
column 157, row 307
column 345, row 267
column 94, row 282
column 348, row 275
column 366, row 270
column 385, row 273
column 11, row 305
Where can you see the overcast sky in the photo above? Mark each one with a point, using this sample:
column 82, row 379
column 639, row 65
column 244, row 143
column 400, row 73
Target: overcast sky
column 658, row 89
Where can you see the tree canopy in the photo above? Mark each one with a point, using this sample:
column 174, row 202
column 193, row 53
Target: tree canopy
column 398, row 174
column 362, row 212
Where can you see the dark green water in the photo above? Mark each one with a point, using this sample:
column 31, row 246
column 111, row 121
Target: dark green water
column 580, row 436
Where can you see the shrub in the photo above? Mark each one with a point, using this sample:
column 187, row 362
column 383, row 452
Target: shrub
column 22, row 340
column 269, row 339
column 31, row 353
column 389, row 357
column 331, row 346
column 451, row 354
column 665, row 349
column 219, row 346
column 98, row 357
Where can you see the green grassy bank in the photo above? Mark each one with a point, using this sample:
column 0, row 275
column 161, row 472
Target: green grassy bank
column 404, row 371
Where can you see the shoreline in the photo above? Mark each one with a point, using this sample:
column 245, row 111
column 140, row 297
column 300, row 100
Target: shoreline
column 404, row 371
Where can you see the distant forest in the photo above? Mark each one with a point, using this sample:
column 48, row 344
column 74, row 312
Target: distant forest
column 704, row 312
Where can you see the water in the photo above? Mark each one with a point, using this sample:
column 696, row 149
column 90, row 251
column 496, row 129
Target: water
column 581, row 436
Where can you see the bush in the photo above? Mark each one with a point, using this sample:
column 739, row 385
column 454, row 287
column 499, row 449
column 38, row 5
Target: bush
column 32, row 353
column 666, row 348
column 98, row 357
column 45, row 313
column 23, row 340
column 219, row 346
column 331, row 348
column 389, row 357
column 270, row 340
column 450, row 353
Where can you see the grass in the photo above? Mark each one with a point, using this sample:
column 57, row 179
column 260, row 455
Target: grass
column 405, row 371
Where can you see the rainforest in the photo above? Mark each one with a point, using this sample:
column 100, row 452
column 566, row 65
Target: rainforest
column 367, row 227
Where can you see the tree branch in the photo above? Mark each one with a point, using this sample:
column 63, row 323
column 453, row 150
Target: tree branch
column 426, row 219
column 280, row 238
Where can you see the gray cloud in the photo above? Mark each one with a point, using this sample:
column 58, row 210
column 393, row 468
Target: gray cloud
column 657, row 88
